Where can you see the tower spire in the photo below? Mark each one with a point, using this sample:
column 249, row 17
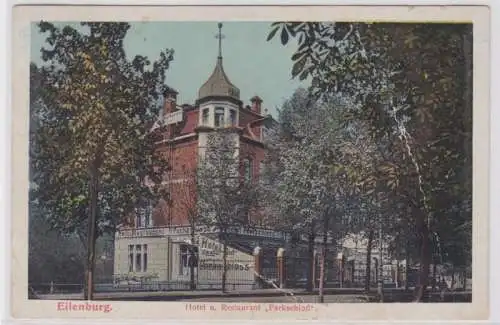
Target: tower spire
column 220, row 36
column 218, row 83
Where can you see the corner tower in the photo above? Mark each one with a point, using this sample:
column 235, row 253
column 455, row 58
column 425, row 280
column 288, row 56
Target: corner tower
column 218, row 101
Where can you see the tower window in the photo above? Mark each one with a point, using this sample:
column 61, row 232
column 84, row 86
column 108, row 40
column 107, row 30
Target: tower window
column 219, row 116
column 232, row 117
column 263, row 134
column 204, row 116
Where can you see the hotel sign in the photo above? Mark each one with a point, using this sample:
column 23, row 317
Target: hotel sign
column 175, row 231
column 164, row 231
column 174, row 117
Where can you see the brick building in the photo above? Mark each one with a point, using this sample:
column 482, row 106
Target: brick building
column 218, row 107
column 157, row 244
column 156, row 248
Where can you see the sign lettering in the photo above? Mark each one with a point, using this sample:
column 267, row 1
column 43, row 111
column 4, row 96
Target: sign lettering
column 174, row 117
column 216, row 248
column 170, row 231
column 219, row 266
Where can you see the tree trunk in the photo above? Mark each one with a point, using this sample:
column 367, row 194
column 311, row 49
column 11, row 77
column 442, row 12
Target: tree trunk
column 224, row 263
column 91, row 236
column 368, row 268
column 423, row 278
column 407, row 265
column 322, row 277
column 452, row 285
column 380, row 278
column 292, row 268
column 192, row 284
column 434, row 275
column 323, row 259
column 311, row 268
column 467, row 50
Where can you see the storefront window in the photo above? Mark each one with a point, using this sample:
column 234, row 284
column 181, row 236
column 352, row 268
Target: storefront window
column 189, row 257
column 138, row 258
column 131, row 258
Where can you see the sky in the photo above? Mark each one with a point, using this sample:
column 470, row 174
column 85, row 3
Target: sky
column 254, row 65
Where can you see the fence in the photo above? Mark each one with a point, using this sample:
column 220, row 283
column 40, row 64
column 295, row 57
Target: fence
column 268, row 267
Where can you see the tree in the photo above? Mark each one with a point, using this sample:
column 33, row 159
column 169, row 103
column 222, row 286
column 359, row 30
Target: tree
column 94, row 157
column 186, row 200
column 225, row 197
column 318, row 162
column 405, row 80
column 52, row 257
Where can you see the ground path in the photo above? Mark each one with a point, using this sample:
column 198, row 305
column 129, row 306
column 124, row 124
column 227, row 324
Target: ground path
column 260, row 295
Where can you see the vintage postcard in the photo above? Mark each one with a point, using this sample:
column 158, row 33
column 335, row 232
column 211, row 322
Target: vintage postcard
column 250, row 162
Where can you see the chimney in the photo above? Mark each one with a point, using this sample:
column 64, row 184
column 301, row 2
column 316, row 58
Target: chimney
column 169, row 100
column 169, row 106
column 256, row 104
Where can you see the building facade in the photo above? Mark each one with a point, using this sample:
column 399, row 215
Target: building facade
column 159, row 247
column 156, row 242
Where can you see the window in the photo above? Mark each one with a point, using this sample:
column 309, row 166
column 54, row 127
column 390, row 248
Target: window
column 189, row 258
column 247, row 169
column 145, row 262
column 232, row 117
column 219, row 116
column 263, row 133
column 138, row 258
column 204, row 116
column 184, row 269
column 148, row 214
column 262, row 168
column 144, row 215
column 138, row 220
column 131, row 258
column 262, row 171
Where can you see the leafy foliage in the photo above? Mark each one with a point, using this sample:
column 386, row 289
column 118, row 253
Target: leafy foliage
column 317, row 162
column 411, row 85
column 224, row 197
column 94, row 107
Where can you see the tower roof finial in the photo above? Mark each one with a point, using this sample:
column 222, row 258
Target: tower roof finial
column 220, row 36
column 218, row 84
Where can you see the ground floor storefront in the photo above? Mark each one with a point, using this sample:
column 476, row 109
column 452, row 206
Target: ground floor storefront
column 178, row 258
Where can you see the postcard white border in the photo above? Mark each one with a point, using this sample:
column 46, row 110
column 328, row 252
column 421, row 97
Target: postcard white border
column 479, row 15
